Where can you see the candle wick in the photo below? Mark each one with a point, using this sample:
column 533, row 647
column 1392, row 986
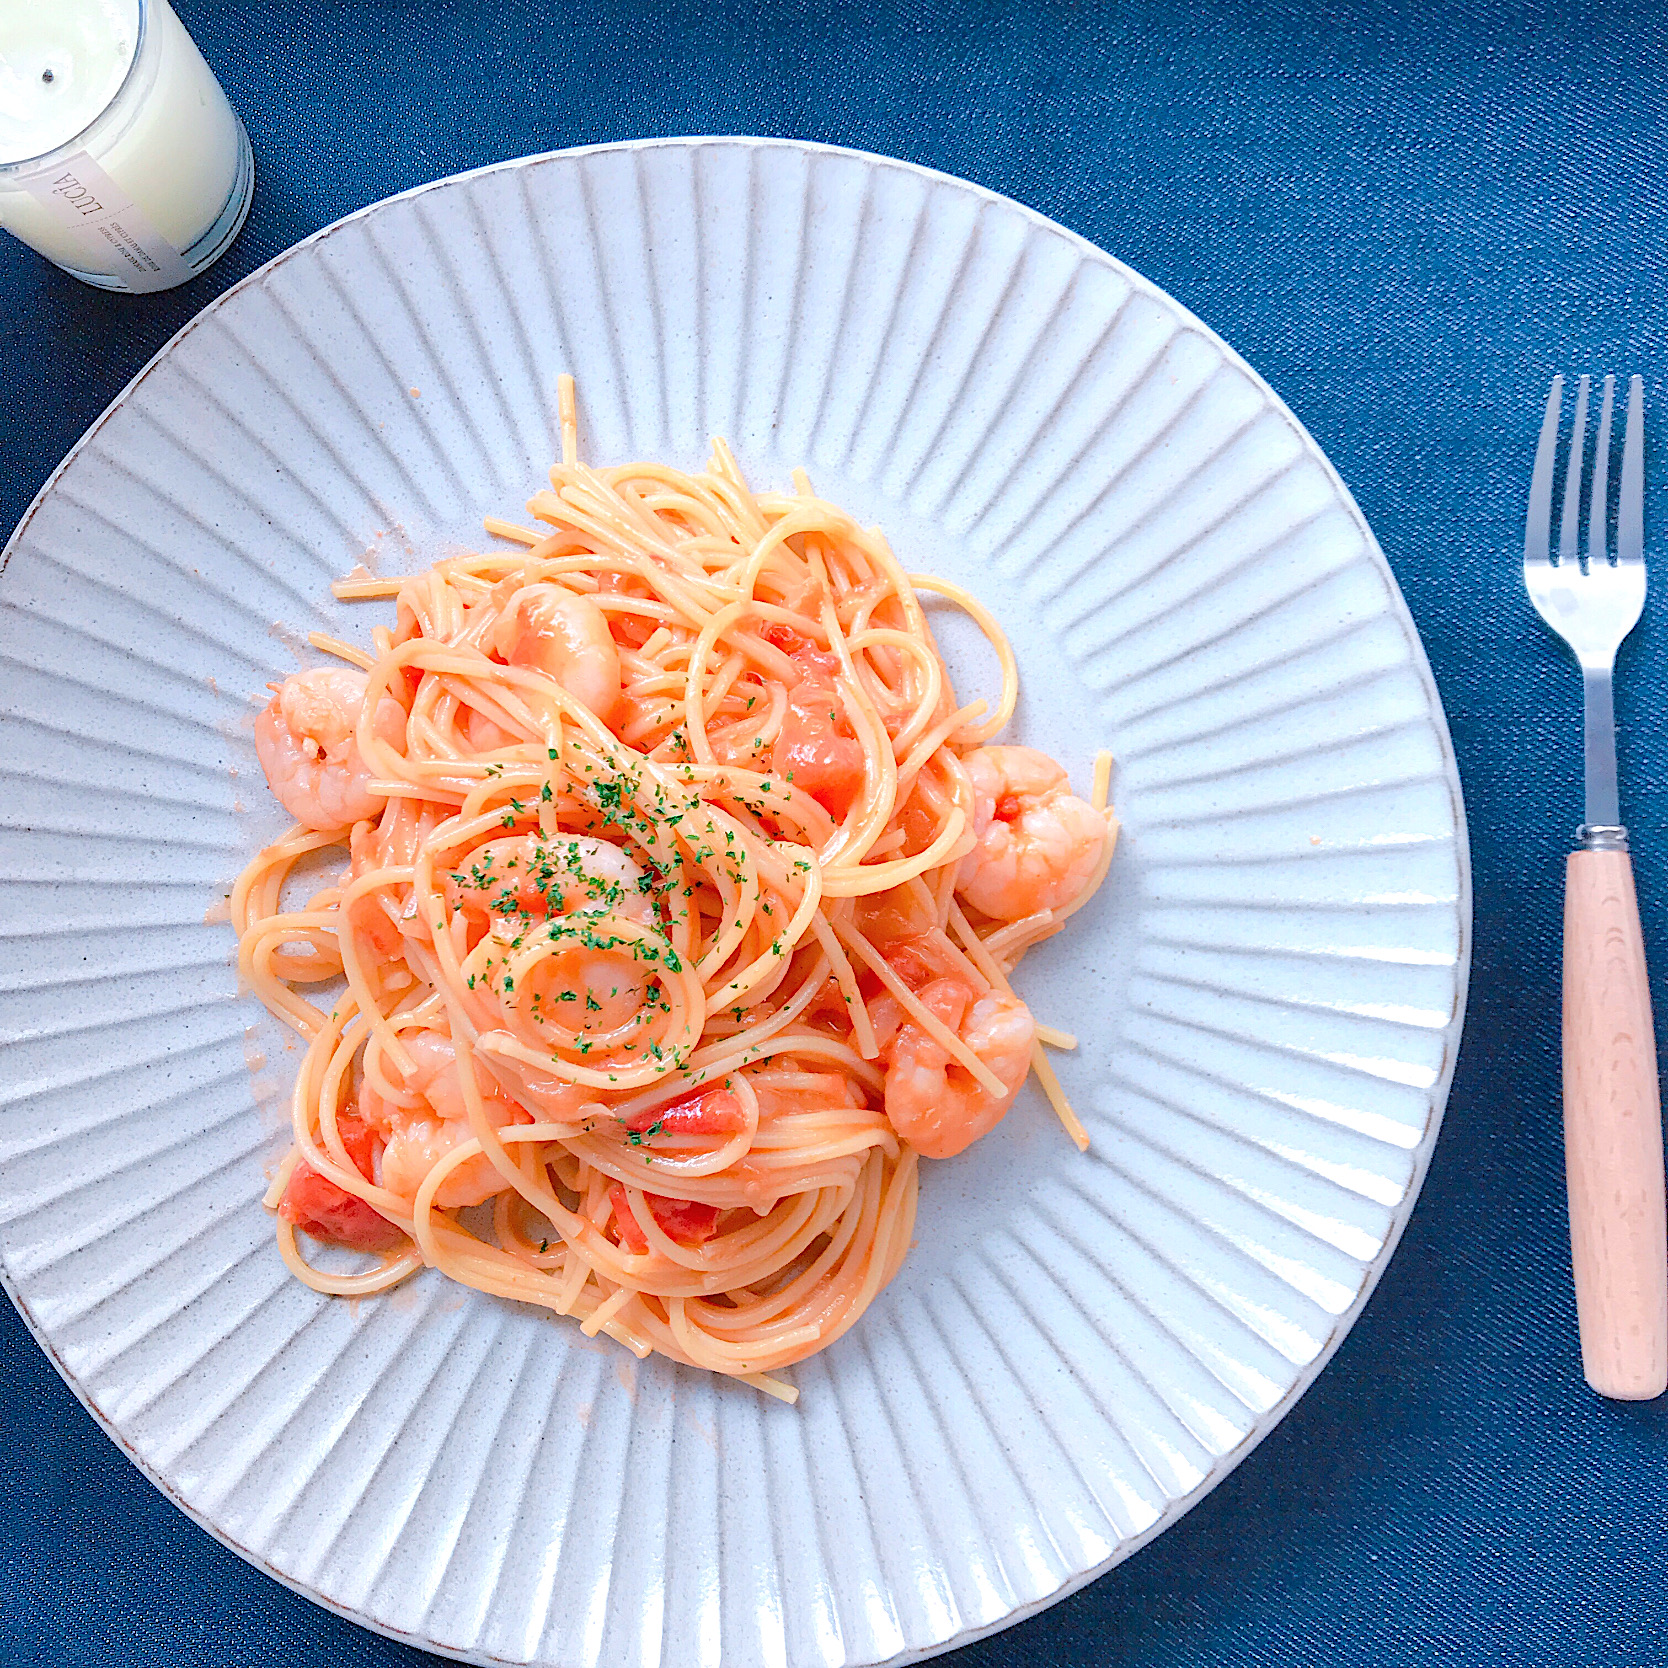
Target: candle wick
column 48, row 77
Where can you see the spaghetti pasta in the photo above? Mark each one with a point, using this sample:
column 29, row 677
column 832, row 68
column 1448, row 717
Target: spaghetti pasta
column 677, row 904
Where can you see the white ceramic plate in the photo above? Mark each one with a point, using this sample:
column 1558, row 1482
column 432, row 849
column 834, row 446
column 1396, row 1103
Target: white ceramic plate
column 1269, row 988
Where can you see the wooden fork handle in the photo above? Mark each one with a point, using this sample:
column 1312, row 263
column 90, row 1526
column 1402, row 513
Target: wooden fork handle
column 1613, row 1133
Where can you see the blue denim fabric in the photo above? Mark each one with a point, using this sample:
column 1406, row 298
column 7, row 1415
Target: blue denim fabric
column 1406, row 217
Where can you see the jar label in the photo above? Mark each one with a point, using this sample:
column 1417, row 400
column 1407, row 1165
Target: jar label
column 79, row 194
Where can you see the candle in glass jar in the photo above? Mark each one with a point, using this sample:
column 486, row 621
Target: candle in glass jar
column 120, row 158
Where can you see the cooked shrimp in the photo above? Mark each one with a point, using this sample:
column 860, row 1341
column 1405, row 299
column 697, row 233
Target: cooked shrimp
column 566, row 636
column 1038, row 844
column 537, row 875
column 933, row 1102
column 506, row 890
column 418, row 1137
column 305, row 741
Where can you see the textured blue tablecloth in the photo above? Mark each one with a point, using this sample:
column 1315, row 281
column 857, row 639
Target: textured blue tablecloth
column 1406, row 218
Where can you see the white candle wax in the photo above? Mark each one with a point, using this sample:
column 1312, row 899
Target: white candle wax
column 120, row 159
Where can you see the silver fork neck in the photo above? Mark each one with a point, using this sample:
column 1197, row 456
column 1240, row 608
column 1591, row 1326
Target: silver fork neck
column 1603, row 809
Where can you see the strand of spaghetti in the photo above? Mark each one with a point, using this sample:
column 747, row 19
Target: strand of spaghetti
column 878, row 1234
column 421, row 656
column 880, row 773
column 443, row 1243
column 501, row 529
column 366, row 589
column 781, row 1308
column 678, row 1167
column 567, row 418
column 750, row 1252
column 469, row 691
column 328, row 1099
column 1100, row 791
column 434, row 788
column 591, row 502
column 817, row 516
column 724, row 461
column 712, row 507
column 343, row 651
column 1057, row 1097
column 583, row 504
column 280, row 1179
column 305, row 1107
column 254, row 963
column 797, row 1321
column 762, row 1029
column 605, row 1311
column 771, row 1386
column 735, row 1357
column 752, row 790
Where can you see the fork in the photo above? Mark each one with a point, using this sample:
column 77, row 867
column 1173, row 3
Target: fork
column 1612, row 1111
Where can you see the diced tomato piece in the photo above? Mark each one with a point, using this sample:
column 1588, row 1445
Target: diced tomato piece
column 317, row 1206
column 712, row 1112
column 360, row 1141
column 684, row 1220
column 890, row 918
column 626, row 1225
column 816, row 749
column 815, row 743
column 920, row 828
column 679, row 1219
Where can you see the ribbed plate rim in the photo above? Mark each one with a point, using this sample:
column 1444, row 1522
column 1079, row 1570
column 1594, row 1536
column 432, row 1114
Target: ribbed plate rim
column 1271, row 1417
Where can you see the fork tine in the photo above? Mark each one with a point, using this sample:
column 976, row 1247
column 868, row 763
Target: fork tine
column 1567, row 551
column 1598, row 500
column 1630, row 516
column 1537, row 535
